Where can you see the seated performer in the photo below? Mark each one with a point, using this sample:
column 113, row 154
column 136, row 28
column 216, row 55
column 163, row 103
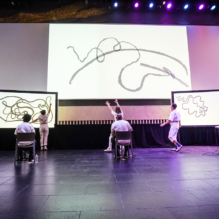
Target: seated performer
column 118, row 111
column 24, row 128
column 175, row 124
column 119, row 125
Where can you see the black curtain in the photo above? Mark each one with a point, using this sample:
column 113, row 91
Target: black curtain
column 75, row 137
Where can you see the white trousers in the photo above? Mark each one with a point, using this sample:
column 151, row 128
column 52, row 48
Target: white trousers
column 174, row 128
column 44, row 132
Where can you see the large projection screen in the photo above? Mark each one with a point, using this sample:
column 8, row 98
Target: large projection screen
column 94, row 61
column 14, row 104
column 198, row 108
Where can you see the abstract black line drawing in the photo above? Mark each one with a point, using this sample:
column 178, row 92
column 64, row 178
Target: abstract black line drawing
column 100, row 57
column 193, row 105
column 15, row 107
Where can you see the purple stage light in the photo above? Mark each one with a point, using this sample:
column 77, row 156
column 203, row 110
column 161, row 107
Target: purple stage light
column 136, row 5
column 201, row 6
column 169, row 5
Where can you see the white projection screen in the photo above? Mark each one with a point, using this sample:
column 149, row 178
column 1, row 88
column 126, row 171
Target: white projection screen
column 198, row 108
column 14, row 104
column 94, row 61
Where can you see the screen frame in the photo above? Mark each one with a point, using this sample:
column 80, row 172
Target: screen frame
column 193, row 91
column 39, row 92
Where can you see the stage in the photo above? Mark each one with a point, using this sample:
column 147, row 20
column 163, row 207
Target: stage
column 90, row 184
column 80, row 137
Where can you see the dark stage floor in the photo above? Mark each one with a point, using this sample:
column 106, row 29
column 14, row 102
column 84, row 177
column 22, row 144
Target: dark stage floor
column 157, row 183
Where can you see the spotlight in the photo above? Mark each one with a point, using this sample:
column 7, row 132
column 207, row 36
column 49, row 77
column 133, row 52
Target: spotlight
column 186, row 6
column 213, row 7
column 151, row 5
column 116, row 4
column 169, row 5
column 136, row 4
column 201, row 7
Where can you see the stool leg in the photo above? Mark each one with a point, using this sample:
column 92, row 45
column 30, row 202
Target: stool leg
column 132, row 148
column 116, row 150
column 15, row 157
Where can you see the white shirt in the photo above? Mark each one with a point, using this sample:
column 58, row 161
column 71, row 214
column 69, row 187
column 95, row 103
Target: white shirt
column 121, row 125
column 43, row 119
column 115, row 114
column 24, row 128
column 175, row 116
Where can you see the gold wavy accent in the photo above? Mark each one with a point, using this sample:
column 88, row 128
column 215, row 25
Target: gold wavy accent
column 76, row 10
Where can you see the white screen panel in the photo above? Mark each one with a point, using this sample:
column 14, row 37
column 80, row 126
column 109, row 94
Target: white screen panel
column 198, row 108
column 13, row 106
column 117, row 61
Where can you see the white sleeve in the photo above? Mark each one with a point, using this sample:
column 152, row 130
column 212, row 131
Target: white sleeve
column 16, row 131
column 32, row 128
column 129, row 127
column 113, row 112
column 171, row 117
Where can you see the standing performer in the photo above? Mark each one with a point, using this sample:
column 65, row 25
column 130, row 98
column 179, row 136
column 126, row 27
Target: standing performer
column 118, row 111
column 44, row 129
column 175, row 124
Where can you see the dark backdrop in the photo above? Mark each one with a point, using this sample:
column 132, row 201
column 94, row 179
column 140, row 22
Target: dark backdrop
column 75, row 137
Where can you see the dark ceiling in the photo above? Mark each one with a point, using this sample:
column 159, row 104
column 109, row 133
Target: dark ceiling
column 103, row 11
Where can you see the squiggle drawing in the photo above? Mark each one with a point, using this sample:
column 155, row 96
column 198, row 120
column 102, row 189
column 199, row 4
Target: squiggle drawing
column 100, row 57
column 193, row 105
column 14, row 108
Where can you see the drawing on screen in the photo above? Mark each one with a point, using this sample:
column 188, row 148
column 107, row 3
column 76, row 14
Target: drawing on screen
column 14, row 108
column 193, row 105
column 100, row 57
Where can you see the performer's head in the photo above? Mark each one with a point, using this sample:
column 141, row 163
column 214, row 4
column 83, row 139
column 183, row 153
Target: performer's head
column 118, row 110
column 119, row 117
column 173, row 106
column 43, row 112
column 26, row 118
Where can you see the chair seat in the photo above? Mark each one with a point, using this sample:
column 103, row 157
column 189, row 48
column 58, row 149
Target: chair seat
column 124, row 141
column 25, row 143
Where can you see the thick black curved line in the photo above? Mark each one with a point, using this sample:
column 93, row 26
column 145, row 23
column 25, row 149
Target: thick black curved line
column 17, row 114
column 164, row 70
column 187, row 100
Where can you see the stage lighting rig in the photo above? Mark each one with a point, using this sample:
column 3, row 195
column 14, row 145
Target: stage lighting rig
column 151, row 5
column 213, row 5
column 115, row 4
column 169, row 5
column 136, row 5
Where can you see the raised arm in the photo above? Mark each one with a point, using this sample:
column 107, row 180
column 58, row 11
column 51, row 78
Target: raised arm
column 108, row 104
column 117, row 103
column 34, row 121
column 50, row 108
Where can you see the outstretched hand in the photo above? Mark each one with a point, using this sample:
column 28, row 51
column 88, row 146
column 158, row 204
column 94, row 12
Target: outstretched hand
column 107, row 103
column 116, row 101
column 162, row 125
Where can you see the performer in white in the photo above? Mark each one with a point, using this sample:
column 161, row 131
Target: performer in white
column 44, row 129
column 118, row 111
column 175, row 124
